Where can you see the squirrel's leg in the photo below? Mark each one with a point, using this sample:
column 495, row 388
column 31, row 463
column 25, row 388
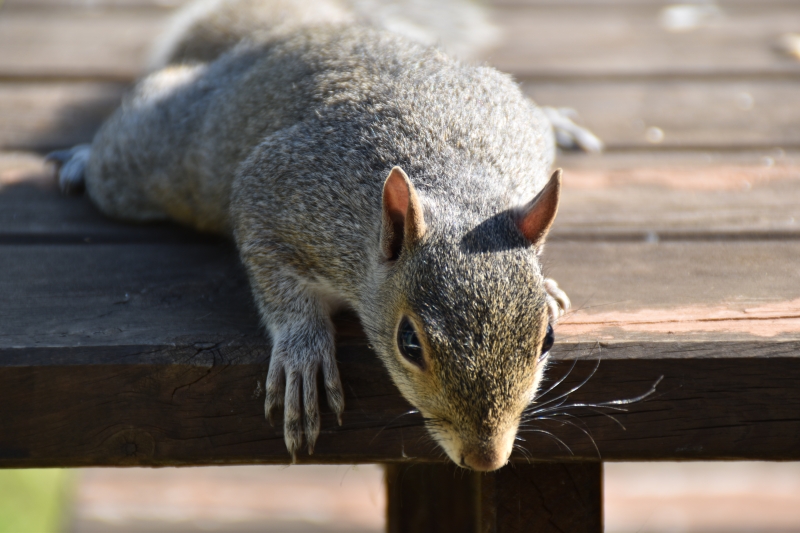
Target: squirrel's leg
column 303, row 345
column 569, row 135
column 557, row 299
column 71, row 167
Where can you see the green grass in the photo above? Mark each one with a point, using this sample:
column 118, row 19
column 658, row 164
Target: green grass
column 33, row 500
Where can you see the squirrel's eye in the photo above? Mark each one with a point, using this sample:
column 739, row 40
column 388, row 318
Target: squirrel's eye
column 549, row 339
column 408, row 343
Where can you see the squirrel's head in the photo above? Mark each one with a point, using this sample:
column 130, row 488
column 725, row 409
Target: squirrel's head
column 465, row 327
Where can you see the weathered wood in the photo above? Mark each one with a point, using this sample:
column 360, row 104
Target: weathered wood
column 634, row 197
column 158, row 346
column 594, row 39
column 690, row 115
column 114, row 42
column 93, row 43
column 542, row 497
column 430, row 498
column 47, row 116
column 32, row 210
column 202, row 406
column 705, row 114
column 687, row 200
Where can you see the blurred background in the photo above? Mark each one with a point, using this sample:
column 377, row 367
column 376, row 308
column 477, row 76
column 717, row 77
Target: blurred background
column 689, row 98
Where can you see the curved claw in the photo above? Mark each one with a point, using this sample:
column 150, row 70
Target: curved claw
column 275, row 391
column 333, row 387
column 292, row 415
column 292, row 384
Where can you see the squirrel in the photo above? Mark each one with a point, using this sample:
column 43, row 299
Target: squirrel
column 354, row 167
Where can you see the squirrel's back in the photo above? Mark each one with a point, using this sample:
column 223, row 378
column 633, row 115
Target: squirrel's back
column 370, row 99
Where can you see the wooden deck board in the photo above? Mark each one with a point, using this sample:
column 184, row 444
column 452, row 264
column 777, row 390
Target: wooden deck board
column 689, row 115
column 113, row 294
column 632, row 197
column 602, row 41
column 47, row 116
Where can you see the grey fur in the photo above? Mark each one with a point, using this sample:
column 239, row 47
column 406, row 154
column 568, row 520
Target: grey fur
column 285, row 145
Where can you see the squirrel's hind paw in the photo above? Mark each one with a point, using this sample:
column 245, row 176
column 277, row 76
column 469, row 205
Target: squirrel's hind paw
column 570, row 136
column 71, row 167
column 557, row 299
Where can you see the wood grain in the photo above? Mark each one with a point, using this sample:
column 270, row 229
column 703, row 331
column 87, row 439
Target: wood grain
column 679, row 203
column 603, row 40
column 48, row 116
column 544, row 497
column 89, row 43
column 430, row 498
column 709, row 114
column 597, row 39
column 152, row 354
column 690, row 115
column 622, row 197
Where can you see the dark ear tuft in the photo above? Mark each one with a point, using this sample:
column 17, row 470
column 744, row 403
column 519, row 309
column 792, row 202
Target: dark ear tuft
column 536, row 218
column 403, row 224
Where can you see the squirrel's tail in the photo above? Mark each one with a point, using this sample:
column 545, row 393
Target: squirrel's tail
column 204, row 29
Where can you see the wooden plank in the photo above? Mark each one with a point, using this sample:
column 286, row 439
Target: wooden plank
column 611, row 198
column 123, row 295
column 430, row 498
column 542, row 497
column 699, row 291
column 44, row 116
column 205, row 407
column 727, row 115
column 32, row 210
column 633, row 196
column 689, row 115
column 595, row 40
column 106, row 42
column 151, row 354
column 703, row 291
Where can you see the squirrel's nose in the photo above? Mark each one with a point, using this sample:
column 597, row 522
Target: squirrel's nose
column 489, row 454
column 485, row 460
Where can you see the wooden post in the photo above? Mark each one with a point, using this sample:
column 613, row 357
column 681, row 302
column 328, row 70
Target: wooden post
column 539, row 497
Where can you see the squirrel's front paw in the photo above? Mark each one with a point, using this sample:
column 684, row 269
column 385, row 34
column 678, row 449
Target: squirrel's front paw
column 297, row 357
column 557, row 300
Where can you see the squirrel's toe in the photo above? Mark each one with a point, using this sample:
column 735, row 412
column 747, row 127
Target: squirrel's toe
column 569, row 135
column 71, row 165
column 557, row 299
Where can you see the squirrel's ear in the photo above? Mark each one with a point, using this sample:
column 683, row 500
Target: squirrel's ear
column 535, row 219
column 403, row 223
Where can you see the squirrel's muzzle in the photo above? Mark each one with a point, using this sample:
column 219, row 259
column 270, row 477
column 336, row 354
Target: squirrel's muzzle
column 490, row 454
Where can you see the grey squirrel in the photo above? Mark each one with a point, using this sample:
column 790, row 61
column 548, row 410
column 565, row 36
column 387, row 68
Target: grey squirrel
column 353, row 167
